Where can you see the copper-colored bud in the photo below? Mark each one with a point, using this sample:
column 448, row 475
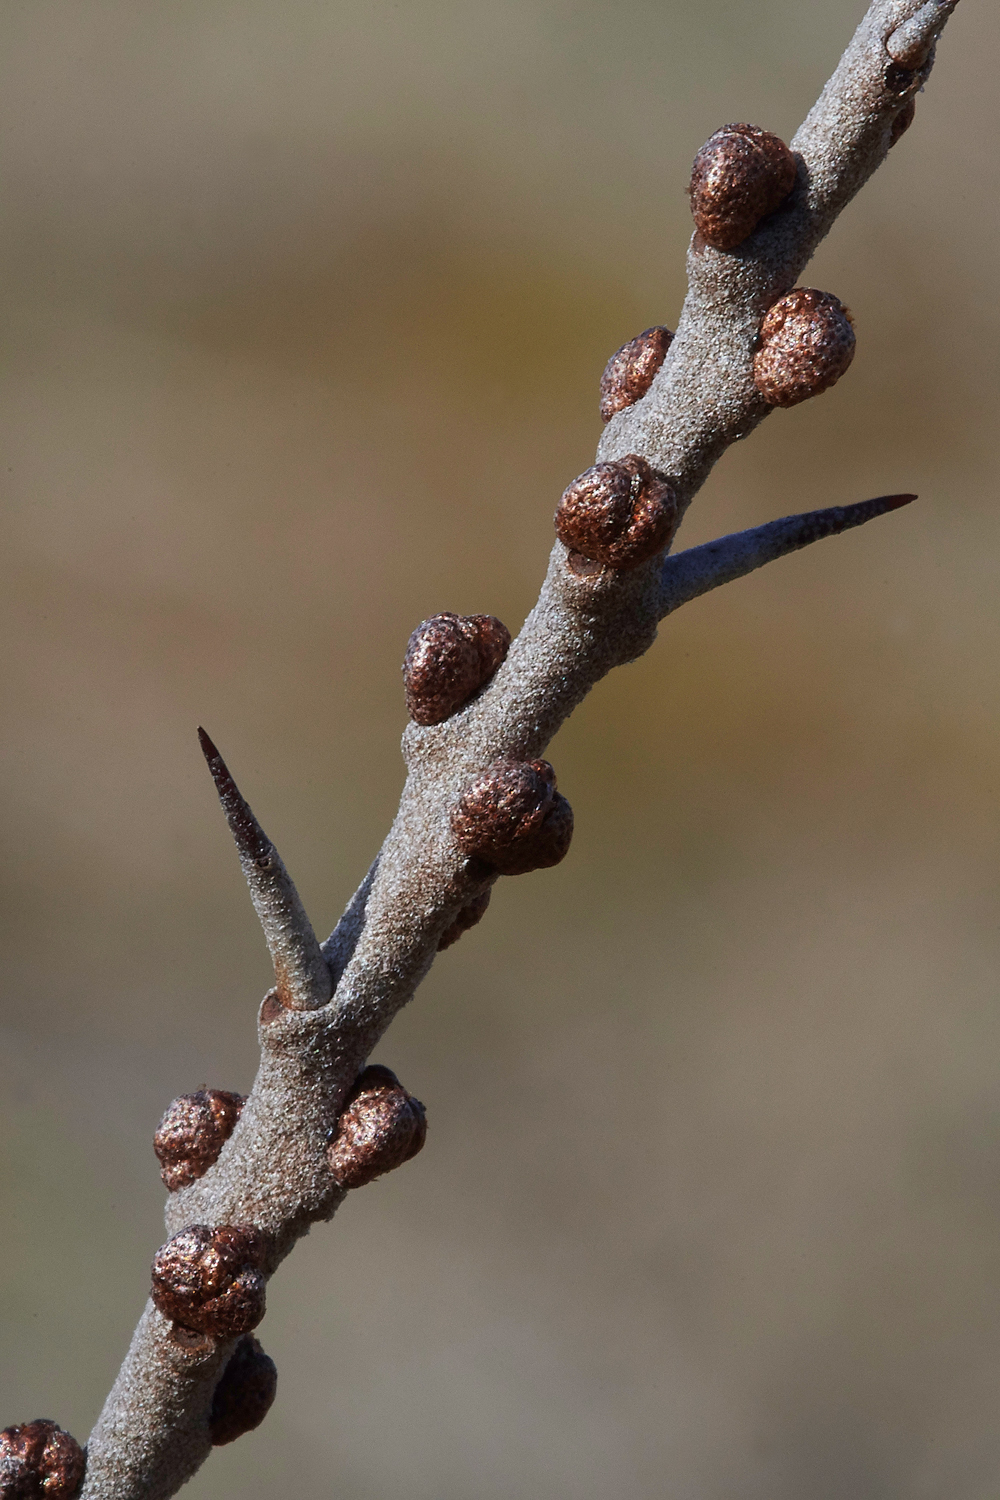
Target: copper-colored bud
column 513, row 818
column 467, row 917
column 618, row 514
column 381, row 1127
column 38, row 1461
column 245, row 1394
column 629, row 373
column 209, row 1280
column 448, row 659
column 192, row 1133
column 902, row 121
column 807, row 342
column 740, row 175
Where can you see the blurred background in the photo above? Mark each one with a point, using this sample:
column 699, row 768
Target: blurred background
column 305, row 311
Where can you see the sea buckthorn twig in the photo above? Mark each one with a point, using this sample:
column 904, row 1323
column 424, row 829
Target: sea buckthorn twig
column 479, row 801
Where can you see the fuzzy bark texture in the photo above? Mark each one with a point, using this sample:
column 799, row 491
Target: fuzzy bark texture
column 315, row 1037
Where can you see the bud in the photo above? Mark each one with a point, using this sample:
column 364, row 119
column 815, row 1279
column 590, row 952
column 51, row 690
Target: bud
column 807, row 342
column 467, row 917
column 740, row 175
column 193, row 1132
column 245, row 1393
column 902, row 121
column 513, row 819
column 448, row 659
column 618, row 514
column 209, row 1280
column 381, row 1127
column 38, row 1461
column 629, row 373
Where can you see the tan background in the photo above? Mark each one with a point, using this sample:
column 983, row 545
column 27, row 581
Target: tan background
column 305, row 308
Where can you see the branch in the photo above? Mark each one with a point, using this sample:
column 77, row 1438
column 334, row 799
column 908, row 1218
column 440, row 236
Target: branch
column 477, row 800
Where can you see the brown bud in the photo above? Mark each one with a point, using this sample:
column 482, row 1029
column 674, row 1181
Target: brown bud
column 807, row 343
column 381, row 1127
column 38, row 1461
column 209, row 1280
column 740, row 175
column 618, row 514
column 448, row 659
column 467, row 917
column 512, row 818
column 629, row 373
column 244, row 1395
column 192, row 1133
column 902, row 121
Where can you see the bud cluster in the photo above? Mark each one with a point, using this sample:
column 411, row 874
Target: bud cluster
column 806, row 344
column 617, row 514
column 629, row 372
column 210, row 1280
column 740, row 175
column 381, row 1127
column 513, row 819
column 38, row 1461
column 244, row 1394
column 448, row 659
column 192, row 1133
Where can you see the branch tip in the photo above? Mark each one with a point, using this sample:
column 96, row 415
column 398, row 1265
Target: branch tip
column 909, row 45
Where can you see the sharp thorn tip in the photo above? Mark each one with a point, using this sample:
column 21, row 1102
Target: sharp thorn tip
column 219, row 771
column 207, row 747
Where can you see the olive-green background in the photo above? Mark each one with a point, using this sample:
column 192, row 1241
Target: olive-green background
column 304, row 310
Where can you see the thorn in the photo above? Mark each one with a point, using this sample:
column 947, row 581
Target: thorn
column 251, row 840
column 891, row 502
column 688, row 574
column 301, row 971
